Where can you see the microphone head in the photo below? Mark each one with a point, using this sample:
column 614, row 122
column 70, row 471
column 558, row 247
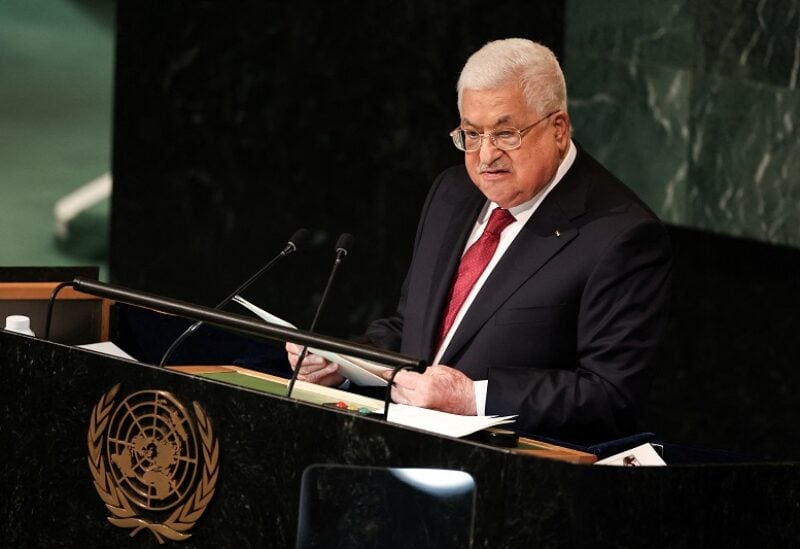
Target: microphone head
column 344, row 243
column 299, row 238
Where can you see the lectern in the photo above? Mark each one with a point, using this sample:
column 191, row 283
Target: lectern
column 234, row 458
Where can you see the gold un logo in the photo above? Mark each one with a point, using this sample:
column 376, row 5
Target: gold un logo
column 147, row 465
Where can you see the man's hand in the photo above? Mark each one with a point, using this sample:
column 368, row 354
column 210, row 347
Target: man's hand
column 314, row 369
column 439, row 388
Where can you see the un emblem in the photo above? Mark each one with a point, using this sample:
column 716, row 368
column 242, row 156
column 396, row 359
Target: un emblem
column 149, row 466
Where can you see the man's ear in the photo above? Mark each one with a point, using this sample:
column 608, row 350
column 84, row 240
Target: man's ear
column 562, row 131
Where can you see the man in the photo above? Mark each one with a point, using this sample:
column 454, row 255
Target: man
column 539, row 282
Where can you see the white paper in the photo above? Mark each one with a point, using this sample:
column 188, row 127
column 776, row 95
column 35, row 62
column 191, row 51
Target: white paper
column 364, row 372
column 643, row 455
column 360, row 371
column 443, row 423
column 107, row 348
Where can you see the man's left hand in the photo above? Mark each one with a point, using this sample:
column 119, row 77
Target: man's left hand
column 439, row 388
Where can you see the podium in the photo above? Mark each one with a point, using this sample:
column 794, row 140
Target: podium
column 66, row 413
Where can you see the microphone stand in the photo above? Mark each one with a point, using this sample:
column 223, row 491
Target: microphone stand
column 342, row 245
column 291, row 246
column 387, row 399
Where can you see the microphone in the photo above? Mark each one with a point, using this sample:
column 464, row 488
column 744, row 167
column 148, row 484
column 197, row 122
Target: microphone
column 343, row 245
column 296, row 241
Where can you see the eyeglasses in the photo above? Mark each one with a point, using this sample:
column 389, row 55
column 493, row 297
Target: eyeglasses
column 505, row 139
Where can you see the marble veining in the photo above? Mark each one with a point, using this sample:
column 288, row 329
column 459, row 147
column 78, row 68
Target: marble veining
column 706, row 102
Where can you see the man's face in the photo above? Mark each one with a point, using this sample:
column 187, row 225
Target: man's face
column 510, row 178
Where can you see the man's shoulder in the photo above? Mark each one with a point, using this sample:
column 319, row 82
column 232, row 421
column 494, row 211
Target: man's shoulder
column 601, row 189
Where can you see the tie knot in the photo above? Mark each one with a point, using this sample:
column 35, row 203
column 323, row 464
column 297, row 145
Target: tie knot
column 499, row 220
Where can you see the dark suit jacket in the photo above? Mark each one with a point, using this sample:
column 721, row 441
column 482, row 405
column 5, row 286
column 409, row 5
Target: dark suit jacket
column 566, row 325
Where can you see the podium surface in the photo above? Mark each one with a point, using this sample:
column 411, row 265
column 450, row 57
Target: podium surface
column 251, row 449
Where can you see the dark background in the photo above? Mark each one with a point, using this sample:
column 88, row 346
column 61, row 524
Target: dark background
column 233, row 126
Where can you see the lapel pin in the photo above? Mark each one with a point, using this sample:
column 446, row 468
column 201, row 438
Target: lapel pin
column 558, row 233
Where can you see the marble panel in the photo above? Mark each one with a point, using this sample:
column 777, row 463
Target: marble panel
column 757, row 40
column 634, row 119
column 727, row 73
column 649, row 31
column 745, row 159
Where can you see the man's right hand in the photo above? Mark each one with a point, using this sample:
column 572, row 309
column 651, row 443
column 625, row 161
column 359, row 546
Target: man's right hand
column 314, row 369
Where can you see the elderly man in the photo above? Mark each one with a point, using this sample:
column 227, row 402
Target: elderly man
column 539, row 282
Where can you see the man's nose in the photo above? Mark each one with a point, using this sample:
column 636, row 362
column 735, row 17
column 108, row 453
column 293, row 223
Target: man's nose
column 488, row 151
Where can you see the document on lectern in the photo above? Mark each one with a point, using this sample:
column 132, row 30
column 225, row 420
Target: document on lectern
column 640, row 456
column 360, row 371
column 442, row 423
column 365, row 372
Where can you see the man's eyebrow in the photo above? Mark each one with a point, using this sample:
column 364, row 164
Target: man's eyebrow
column 505, row 119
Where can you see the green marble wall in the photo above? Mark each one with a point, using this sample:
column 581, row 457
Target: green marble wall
column 695, row 105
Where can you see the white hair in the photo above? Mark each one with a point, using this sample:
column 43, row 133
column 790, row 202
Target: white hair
column 529, row 63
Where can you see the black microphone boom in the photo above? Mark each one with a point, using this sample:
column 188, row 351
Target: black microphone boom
column 240, row 323
column 297, row 240
column 342, row 247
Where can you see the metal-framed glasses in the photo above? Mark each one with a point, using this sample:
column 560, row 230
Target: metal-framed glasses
column 505, row 139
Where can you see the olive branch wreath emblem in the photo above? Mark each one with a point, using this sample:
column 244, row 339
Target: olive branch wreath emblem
column 176, row 526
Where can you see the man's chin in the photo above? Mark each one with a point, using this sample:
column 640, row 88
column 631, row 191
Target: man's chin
column 496, row 191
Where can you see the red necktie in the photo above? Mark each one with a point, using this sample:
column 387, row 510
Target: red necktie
column 472, row 265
